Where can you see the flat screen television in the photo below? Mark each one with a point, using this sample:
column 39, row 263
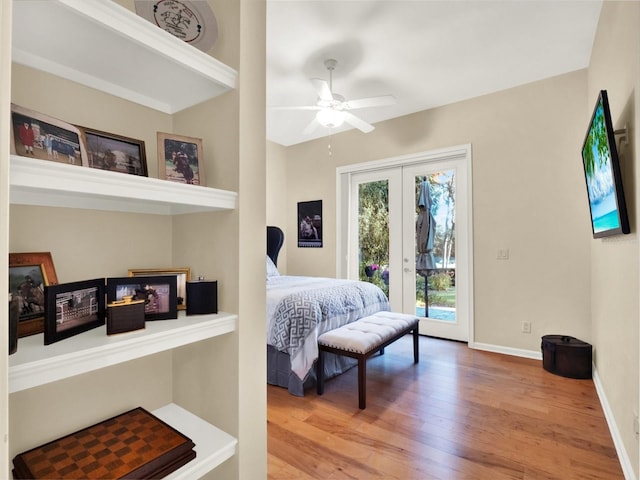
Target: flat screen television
column 602, row 173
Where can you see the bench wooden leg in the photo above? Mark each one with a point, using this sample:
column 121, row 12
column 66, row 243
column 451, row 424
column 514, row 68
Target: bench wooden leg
column 320, row 372
column 362, row 363
column 362, row 382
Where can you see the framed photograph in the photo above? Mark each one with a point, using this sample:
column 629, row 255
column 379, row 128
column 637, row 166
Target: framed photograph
column 39, row 136
column 158, row 293
column 183, row 275
column 108, row 151
column 73, row 308
column 29, row 274
column 310, row 224
column 180, row 159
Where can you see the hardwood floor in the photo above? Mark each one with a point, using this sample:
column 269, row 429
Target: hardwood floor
column 458, row 414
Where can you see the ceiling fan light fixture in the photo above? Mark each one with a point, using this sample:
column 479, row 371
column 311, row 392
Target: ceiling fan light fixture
column 330, row 118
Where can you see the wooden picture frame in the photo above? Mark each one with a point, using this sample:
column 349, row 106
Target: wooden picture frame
column 180, row 159
column 36, row 135
column 39, row 267
column 73, row 308
column 158, row 292
column 115, row 153
column 183, row 275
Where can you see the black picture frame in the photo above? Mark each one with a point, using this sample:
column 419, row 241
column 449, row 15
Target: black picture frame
column 310, row 224
column 115, row 153
column 160, row 293
column 73, row 308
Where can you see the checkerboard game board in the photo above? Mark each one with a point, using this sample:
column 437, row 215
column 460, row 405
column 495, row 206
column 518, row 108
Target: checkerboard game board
column 135, row 445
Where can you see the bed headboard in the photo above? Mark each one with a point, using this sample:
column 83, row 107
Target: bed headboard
column 275, row 239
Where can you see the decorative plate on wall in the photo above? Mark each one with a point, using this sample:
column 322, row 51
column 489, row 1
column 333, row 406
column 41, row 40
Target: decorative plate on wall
column 190, row 20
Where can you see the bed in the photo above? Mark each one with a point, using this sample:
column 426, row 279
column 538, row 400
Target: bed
column 299, row 309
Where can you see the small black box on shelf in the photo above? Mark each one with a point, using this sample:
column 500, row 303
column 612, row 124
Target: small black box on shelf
column 125, row 316
column 202, row 297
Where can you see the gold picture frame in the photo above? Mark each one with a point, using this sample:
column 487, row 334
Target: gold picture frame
column 183, row 275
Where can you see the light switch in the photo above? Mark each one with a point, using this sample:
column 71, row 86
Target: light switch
column 503, row 254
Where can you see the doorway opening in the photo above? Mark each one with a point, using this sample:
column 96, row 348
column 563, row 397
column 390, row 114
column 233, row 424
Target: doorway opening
column 407, row 228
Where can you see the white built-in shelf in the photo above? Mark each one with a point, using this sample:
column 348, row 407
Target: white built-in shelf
column 105, row 46
column 36, row 364
column 40, row 182
column 213, row 446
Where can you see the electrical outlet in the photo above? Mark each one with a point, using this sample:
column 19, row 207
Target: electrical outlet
column 526, row 327
column 636, row 425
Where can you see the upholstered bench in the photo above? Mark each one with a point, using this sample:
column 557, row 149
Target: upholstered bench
column 361, row 339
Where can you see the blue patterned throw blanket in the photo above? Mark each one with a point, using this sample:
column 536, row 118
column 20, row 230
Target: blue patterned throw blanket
column 299, row 309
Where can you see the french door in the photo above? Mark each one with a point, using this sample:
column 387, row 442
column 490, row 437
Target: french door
column 409, row 232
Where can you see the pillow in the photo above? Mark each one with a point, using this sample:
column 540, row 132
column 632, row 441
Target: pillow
column 272, row 270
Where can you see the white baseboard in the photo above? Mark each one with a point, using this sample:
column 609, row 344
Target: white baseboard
column 516, row 352
column 625, row 461
column 623, row 457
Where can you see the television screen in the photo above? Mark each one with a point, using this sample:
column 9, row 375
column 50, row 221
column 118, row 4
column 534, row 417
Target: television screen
column 602, row 173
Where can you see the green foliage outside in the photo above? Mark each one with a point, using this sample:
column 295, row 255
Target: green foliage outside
column 377, row 278
column 373, row 233
column 441, row 292
column 442, row 299
column 374, row 223
column 439, row 282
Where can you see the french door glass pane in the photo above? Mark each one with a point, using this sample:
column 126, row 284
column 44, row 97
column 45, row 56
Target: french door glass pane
column 435, row 250
column 373, row 233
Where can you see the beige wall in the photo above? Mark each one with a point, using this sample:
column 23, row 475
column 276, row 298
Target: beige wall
column 276, row 203
column 528, row 196
column 615, row 65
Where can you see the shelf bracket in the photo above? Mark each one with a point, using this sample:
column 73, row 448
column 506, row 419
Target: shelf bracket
column 623, row 138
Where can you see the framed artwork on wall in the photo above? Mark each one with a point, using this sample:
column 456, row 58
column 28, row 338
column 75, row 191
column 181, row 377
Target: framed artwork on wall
column 310, row 224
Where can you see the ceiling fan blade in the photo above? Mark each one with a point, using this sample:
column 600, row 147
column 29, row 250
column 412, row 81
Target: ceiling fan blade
column 300, row 107
column 322, row 87
column 381, row 101
column 360, row 124
column 311, row 127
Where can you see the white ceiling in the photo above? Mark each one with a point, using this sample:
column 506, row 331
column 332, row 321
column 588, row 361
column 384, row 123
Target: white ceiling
column 426, row 53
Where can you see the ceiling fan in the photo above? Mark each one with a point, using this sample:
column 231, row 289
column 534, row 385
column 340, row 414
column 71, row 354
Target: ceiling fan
column 333, row 110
